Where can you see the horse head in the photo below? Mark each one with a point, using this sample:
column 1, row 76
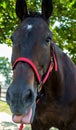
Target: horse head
column 31, row 40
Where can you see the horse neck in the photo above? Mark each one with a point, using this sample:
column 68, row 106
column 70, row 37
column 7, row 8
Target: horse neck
column 61, row 85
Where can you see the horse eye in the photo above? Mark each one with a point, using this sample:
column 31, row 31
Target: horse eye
column 48, row 41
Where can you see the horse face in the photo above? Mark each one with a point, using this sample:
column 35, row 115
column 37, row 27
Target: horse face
column 31, row 40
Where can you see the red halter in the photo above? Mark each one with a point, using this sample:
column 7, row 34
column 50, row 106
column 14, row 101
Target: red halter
column 26, row 60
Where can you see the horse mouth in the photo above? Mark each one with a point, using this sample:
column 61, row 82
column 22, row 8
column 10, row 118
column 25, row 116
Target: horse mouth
column 24, row 119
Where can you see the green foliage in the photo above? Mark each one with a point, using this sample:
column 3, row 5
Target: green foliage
column 7, row 20
column 63, row 33
column 5, row 69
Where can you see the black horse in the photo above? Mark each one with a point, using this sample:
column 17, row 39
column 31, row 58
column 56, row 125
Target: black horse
column 43, row 90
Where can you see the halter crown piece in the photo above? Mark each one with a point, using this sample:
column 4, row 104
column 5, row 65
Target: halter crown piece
column 41, row 81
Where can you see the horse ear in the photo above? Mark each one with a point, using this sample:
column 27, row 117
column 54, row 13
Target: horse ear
column 47, row 8
column 21, row 8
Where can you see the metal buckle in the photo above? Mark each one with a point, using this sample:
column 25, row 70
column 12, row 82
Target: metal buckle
column 51, row 59
column 39, row 87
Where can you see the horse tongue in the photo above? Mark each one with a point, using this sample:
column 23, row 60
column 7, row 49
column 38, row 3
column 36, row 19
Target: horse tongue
column 25, row 119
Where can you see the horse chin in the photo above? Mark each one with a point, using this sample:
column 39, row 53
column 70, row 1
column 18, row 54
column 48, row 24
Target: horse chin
column 25, row 118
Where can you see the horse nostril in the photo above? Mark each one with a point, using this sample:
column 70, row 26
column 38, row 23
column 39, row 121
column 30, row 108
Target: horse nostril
column 28, row 96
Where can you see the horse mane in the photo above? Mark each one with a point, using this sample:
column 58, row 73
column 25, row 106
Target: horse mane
column 34, row 14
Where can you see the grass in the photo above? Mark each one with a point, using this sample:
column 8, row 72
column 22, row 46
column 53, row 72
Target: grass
column 4, row 107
